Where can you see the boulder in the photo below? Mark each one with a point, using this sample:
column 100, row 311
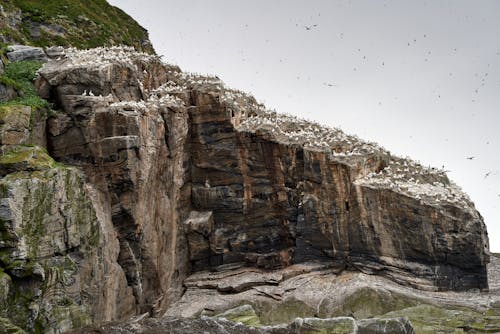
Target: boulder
column 25, row 52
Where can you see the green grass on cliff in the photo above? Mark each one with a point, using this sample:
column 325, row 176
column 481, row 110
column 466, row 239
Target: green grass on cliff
column 20, row 75
column 79, row 23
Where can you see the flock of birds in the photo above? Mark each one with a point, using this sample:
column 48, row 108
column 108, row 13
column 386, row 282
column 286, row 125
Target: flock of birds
column 400, row 174
column 102, row 56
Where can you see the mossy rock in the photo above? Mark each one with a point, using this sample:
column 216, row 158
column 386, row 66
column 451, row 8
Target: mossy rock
column 367, row 303
column 341, row 325
column 19, row 114
column 50, row 214
column 26, row 158
column 427, row 319
column 5, row 288
column 244, row 314
column 6, row 327
column 271, row 313
column 385, row 326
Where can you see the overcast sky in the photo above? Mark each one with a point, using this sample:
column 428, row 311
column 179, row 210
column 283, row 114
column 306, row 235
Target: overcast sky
column 421, row 78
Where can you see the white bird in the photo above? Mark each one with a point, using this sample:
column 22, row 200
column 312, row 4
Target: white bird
column 84, row 93
column 91, row 94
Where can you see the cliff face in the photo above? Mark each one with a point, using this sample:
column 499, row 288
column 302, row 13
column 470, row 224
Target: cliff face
column 161, row 174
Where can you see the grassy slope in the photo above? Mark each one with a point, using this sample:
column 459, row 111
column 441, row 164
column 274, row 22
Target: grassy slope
column 79, row 23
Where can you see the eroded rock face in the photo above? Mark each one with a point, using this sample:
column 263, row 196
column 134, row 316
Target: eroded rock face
column 284, row 197
column 136, row 157
column 184, row 162
column 49, row 248
column 186, row 177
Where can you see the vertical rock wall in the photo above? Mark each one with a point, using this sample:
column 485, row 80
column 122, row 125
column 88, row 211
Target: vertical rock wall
column 174, row 173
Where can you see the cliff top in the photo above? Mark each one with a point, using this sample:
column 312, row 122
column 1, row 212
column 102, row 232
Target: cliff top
column 78, row 23
column 403, row 175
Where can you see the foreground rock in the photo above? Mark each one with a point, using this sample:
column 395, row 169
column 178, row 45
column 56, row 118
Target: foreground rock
column 312, row 290
column 174, row 195
column 341, row 325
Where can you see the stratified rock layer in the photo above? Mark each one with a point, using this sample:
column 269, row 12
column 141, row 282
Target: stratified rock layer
column 182, row 176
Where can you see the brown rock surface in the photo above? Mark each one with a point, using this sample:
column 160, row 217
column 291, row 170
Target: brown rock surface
column 204, row 200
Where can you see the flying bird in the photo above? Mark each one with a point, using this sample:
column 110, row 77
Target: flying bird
column 487, row 174
column 310, row 27
column 470, row 158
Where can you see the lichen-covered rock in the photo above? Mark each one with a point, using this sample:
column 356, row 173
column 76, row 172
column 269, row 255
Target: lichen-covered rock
column 340, row 325
column 244, row 314
column 343, row 325
column 49, row 239
column 14, row 125
column 385, row 326
column 21, row 125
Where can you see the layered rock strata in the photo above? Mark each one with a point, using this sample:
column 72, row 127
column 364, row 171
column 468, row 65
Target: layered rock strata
column 182, row 175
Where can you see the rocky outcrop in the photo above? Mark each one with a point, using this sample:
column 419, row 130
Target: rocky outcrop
column 341, row 325
column 24, row 52
column 193, row 199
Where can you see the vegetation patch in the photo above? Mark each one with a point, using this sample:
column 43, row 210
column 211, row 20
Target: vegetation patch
column 20, row 75
column 79, row 23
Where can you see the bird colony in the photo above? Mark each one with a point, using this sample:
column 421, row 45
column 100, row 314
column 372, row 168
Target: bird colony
column 402, row 175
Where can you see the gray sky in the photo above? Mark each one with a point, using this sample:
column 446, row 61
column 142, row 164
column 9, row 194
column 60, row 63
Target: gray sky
column 421, row 78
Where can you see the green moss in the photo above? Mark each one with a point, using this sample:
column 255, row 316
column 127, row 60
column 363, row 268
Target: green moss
column 28, row 157
column 328, row 326
column 427, row 319
column 49, row 300
column 6, row 327
column 244, row 314
column 285, row 312
column 83, row 23
column 496, row 254
column 9, row 83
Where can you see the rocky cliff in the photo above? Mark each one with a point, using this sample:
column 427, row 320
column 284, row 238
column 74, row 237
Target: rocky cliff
column 147, row 190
